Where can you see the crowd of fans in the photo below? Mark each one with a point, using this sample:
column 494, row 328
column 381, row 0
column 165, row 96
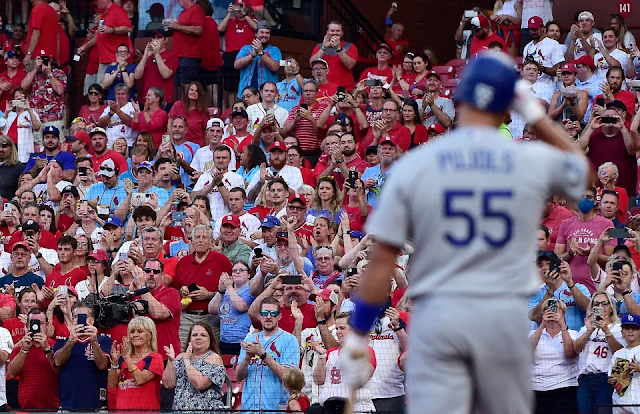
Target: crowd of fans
column 239, row 239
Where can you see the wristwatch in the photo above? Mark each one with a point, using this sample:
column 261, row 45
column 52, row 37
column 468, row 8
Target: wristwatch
column 625, row 293
column 340, row 161
column 324, row 49
column 39, row 256
column 322, row 322
column 220, row 185
column 48, row 351
column 339, row 50
column 263, row 356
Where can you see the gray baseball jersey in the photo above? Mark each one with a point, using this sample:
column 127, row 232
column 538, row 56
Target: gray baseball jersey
column 471, row 203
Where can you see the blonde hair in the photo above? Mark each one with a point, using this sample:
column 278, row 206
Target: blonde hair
column 293, row 381
column 614, row 316
column 561, row 305
column 126, row 146
column 12, row 159
column 148, row 325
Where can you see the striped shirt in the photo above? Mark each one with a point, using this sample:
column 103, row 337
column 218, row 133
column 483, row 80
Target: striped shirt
column 309, row 139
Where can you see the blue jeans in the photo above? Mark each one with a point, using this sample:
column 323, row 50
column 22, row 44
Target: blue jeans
column 594, row 390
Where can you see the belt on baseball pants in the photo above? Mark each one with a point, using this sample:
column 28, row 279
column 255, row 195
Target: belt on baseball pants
column 196, row 312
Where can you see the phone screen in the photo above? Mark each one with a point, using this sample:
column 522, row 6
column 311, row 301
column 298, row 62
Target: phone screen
column 193, row 287
column 82, row 319
column 292, row 280
column 619, row 233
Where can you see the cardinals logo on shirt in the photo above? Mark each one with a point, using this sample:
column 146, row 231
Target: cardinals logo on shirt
column 274, row 349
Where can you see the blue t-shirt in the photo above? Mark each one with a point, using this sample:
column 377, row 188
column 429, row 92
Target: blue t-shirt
column 21, row 282
column 263, row 389
column 67, row 160
column 289, row 94
column 264, row 73
column 111, row 197
column 128, row 174
column 247, row 176
column 186, row 151
column 178, row 248
column 163, row 195
column 373, row 193
column 234, row 326
column 82, row 385
column 621, row 307
column 111, row 92
column 313, row 213
column 574, row 317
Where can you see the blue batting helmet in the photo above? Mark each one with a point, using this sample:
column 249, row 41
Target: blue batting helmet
column 488, row 83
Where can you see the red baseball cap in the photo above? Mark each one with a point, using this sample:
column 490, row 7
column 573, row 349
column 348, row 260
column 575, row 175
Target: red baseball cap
column 231, row 219
column 569, row 67
column 21, row 244
column 83, row 137
column 297, row 196
column 437, row 128
column 325, row 294
column 279, row 146
column 100, row 255
column 585, row 60
column 480, row 21
column 433, row 73
column 535, row 23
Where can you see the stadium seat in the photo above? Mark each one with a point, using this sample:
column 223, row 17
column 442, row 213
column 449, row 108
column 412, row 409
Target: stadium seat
column 519, row 60
column 445, row 72
column 448, row 92
column 457, row 62
column 448, row 83
column 214, row 111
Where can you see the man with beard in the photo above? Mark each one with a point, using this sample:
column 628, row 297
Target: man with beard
column 109, row 193
column 612, row 91
column 164, row 302
column 374, row 177
column 434, row 107
column 608, row 54
column 483, row 36
column 117, row 116
column 201, row 268
column 99, row 144
column 278, row 168
column 612, row 143
column 51, row 140
column 258, row 62
column 341, row 158
column 265, row 358
column 545, row 51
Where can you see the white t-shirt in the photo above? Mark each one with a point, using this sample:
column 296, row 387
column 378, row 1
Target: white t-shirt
column 551, row 370
column 445, row 105
column 218, row 207
column 203, row 159
column 578, row 49
column 602, row 66
column 117, row 128
column 595, row 358
column 42, row 195
column 257, row 113
column 96, row 236
column 541, row 8
column 310, row 360
column 6, row 344
column 249, row 224
column 541, row 90
column 546, row 52
column 51, row 257
column 632, row 395
column 388, row 378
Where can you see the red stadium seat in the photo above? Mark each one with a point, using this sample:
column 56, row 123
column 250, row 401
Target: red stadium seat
column 448, row 92
column 214, row 112
column 445, row 72
column 448, row 83
column 457, row 62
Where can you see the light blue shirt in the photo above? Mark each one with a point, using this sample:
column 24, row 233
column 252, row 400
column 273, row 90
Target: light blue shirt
column 621, row 307
column 592, row 86
column 111, row 197
column 574, row 316
column 247, row 176
column 289, row 94
column 263, row 390
column 264, row 73
column 186, row 151
column 163, row 195
column 128, row 174
column 234, row 326
column 373, row 193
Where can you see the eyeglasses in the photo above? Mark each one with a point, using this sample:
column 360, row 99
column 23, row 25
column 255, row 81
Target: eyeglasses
column 154, row 271
column 589, row 197
column 266, row 313
column 5, row 145
column 122, row 52
column 329, row 177
column 85, row 244
column 239, row 270
column 603, row 303
column 295, row 208
column 247, row 96
column 16, row 254
column 94, row 93
column 91, row 260
column 323, row 259
column 389, row 110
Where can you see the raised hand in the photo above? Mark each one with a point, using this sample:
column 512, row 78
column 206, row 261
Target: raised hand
column 171, row 354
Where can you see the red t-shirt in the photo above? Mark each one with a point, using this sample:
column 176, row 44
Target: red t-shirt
column 357, row 164
column 38, row 386
column 61, row 330
column 116, row 157
column 420, row 135
column 132, row 397
column 238, row 34
column 356, row 221
column 205, row 274
column 116, row 333
column 15, row 82
column 93, row 61
column 400, row 48
column 232, row 141
column 260, row 211
column 478, row 45
column 168, row 328
column 15, row 327
column 64, row 53
column 556, row 217
column 90, row 116
column 196, row 122
column 45, row 19
column 152, row 76
column 338, row 73
column 47, row 239
column 287, row 320
column 187, row 45
column 603, row 149
column 308, row 177
column 385, row 75
column 156, row 126
column 305, row 232
column 55, row 278
column 108, row 43
column 399, row 134
column 211, row 52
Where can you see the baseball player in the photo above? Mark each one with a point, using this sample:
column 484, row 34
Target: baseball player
column 471, row 203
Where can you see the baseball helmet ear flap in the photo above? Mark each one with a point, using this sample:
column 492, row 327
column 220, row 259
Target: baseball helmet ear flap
column 488, row 83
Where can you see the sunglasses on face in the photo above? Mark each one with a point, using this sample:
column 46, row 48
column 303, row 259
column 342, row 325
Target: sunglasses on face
column 603, row 303
column 154, row 271
column 5, row 145
column 107, row 169
column 266, row 313
column 94, row 93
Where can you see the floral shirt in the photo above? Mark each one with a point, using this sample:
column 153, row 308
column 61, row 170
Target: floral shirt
column 48, row 105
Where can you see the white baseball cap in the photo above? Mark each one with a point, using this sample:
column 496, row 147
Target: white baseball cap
column 586, row 15
column 215, row 122
column 107, row 168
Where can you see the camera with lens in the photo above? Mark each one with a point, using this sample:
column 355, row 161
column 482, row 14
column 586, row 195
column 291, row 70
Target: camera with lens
column 113, row 310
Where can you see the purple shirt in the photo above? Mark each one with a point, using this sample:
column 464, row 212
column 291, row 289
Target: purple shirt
column 586, row 233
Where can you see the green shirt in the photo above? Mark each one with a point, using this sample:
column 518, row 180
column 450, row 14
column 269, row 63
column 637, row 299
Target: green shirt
column 505, row 131
column 237, row 251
